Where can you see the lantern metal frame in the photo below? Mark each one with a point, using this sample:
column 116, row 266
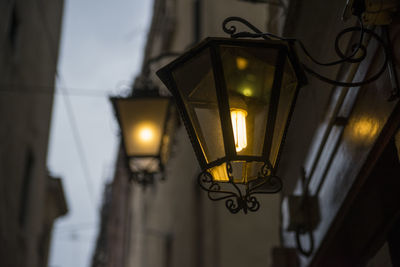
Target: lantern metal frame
column 145, row 178
column 242, row 195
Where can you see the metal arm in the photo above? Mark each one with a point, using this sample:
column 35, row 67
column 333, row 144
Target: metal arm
column 358, row 54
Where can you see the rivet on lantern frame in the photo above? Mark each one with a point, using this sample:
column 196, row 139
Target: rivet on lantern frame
column 207, row 91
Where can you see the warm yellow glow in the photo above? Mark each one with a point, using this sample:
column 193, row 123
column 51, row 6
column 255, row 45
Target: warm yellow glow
column 241, row 63
column 365, row 128
column 219, row 173
column 145, row 133
column 247, row 91
column 238, row 117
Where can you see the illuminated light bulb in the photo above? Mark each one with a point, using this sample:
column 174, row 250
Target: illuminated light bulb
column 238, row 117
column 247, row 91
column 146, row 134
column 241, row 63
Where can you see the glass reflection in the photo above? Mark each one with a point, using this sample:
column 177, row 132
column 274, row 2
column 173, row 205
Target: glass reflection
column 365, row 129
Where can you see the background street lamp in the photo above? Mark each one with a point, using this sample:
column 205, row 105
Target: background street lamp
column 147, row 121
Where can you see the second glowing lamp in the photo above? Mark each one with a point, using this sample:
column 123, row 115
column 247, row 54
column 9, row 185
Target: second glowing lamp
column 146, row 120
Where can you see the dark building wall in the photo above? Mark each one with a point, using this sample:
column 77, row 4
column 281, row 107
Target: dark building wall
column 112, row 245
column 353, row 150
column 29, row 41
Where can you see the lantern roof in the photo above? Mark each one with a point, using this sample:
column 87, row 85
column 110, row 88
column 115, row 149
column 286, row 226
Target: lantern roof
column 288, row 45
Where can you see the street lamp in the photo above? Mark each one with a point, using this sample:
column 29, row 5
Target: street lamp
column 236, row 97
column 146, row 120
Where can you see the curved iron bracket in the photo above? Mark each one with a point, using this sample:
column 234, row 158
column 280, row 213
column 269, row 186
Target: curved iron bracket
column 357, row 55
column 240, row 198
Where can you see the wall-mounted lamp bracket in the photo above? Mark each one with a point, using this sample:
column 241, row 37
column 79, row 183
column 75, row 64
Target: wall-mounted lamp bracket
column 357, row 54
column 188, row 79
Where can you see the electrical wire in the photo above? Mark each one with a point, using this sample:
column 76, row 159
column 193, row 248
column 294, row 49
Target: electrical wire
column 48, row 90
column 79, row 147
column 76, row 225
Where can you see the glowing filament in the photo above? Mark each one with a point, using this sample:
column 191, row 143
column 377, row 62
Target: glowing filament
column 146, row 134
column 238, row 117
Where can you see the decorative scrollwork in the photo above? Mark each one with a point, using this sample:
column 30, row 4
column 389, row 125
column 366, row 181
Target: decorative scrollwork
column 232, row 29
column 357, row 54
column 229, row 171
column 239, row 198
column 206, row 182
column 252, row 203
column 266, row 169
column 234, row 205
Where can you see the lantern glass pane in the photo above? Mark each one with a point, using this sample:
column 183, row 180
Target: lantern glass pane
column 195, row 80
column 219, row 173
column 242, row 171
column 142, row 123
column 249, row 77
column 286, row 98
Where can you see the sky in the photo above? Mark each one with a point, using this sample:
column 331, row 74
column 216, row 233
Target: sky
column 101, row 51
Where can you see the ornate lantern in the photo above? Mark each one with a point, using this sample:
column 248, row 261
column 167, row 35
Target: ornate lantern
column 236, row 97
column 146, row 120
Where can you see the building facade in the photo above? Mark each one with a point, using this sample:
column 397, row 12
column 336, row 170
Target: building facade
column 340, row 143
column 30, row 198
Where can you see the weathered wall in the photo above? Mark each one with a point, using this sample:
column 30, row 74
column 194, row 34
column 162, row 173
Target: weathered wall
column 29, row 40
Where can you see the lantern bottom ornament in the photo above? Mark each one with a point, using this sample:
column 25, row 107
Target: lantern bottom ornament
column 242, row 197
